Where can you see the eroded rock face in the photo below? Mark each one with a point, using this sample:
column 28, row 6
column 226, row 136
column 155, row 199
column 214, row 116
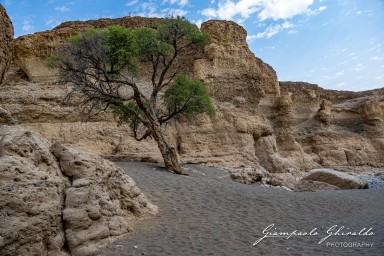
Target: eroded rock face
column 232, row 70
column 6, row 37
column 338, row 128
column 47, row 210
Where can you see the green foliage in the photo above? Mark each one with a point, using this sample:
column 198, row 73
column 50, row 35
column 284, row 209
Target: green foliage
column 180, row 33
column 52, row 60
column 188, row 96
column 121, row 47
column 149, row 44
column 91, row 34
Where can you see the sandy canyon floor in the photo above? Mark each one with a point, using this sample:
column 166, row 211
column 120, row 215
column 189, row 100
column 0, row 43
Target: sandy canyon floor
column 206, row 213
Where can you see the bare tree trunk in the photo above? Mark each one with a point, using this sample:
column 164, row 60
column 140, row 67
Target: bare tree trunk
column 168, row 152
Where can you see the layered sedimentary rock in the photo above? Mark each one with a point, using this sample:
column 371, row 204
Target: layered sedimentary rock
column 234, row 73
column 6, row 36
column 339, row 128
column 279, row 129
column 58, row 201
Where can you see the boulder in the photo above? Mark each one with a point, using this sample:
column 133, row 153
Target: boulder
column 248, row 175
column 45, row 209
column 311, row 186
column 339, row 179
column 6, row 37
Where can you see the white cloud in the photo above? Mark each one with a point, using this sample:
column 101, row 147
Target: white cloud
column 353, row 55
column 173, row 12
column 252, row 38
column 229, row 9
column 209, row 12
column 359, row 67
column 27, row 26
column 266, row 9
column 132, row 3
column 282, row 9
column 377, row 58
column 272, row 30
column 198, row 23
column 340, row 84
column 62, row 8
column 341, row 73
column 182, row 3
column 317, row 11
column 151, row 10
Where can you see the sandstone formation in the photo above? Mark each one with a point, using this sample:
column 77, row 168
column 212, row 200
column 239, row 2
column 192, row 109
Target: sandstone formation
column 283, row 128
column 6, row 36
column 234, row 73
column 58, row 201
column 339, row 128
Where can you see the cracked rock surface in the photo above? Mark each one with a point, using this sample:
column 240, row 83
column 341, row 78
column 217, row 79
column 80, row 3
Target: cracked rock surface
column 59, row 201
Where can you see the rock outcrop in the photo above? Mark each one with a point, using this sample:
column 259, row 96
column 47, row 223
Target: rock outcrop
column 233, row 72
column 338, row 128
column 58, row 201
column 6, row 36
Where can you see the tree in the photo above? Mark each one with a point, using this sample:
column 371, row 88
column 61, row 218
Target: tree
column 102, row 66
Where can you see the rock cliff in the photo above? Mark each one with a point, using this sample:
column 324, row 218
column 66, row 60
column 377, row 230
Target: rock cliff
column 6, row 36
column 60, row 201
column 283, row 129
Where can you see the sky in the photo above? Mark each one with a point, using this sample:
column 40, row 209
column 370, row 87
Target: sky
column 337, row 44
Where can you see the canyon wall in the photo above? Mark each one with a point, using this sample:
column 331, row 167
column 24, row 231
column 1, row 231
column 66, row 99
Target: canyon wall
column 6, row 36
column 282, row 128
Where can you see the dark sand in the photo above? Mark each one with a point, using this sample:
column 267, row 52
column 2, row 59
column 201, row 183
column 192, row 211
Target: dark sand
column 208, row 214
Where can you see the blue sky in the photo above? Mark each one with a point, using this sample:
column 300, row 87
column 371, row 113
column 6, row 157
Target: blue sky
column 337, row 44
